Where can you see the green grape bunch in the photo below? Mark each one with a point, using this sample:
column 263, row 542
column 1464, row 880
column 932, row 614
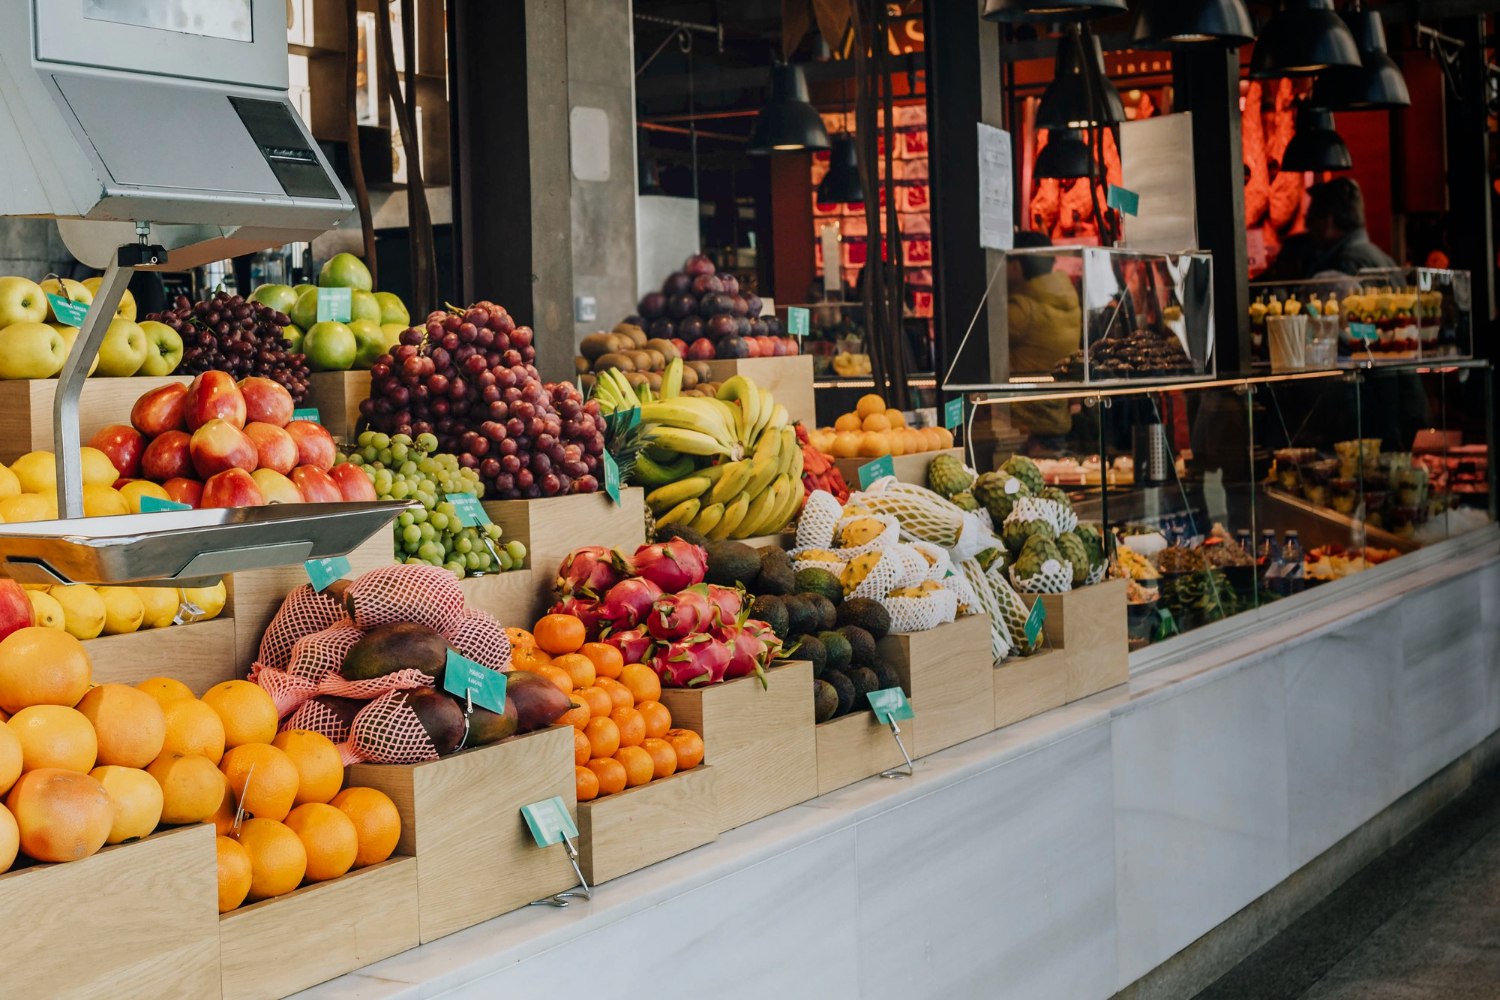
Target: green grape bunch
column 401, row 468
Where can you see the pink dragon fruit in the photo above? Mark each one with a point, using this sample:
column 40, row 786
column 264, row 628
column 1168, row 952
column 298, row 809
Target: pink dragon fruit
column 727, row 602
column 672, row 565
column 628, row 603
column 691, row 662
column 769, row 642
column 746, row 653
column 590, row 571
column 634, row 644
column 677, row 616
column 585, row 611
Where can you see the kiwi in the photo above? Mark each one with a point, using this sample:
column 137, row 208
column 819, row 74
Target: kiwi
column 666, row 348
column 614, row 359
column 658, row 360
column 689, row 379
column 636, row 379
column 844, row 687
column 653, row 379
column 596, row 344
column 705, row 373
column 633, row 333
column 586, row 383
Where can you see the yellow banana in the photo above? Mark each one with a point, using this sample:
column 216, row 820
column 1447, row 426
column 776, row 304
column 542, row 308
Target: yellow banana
column 671, row 383
column 708, row 518
column 714, row 472
column 789, row 450
column 688, row 442
column 747, row 394
column 765, row 464
column 681, row 514
column 767, row 407
column 733, row 515
column 694, row 414
column 733, row 417
column 759, row 508
column 669, row 496
column 779, row 416
column 732, row 481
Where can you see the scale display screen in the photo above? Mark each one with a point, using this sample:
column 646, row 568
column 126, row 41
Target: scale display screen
column 232, row 20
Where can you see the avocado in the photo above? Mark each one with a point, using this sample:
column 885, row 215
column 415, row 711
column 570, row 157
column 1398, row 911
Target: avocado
column 388, row 648
column 802, row 615
column 827, row 614
column 868, row 614
column 776, row 573
column 845, row 689
column 811, row 650
column 861, row 645
column 771, row 610
column 837, row 649
column 440, row 716
column 731, row 563
column 887, row 676
column 825, row 701
column 864, row 681
column 815, row 580
column 665, row 532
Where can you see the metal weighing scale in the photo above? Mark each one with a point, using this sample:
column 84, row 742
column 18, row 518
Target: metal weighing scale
column 159, row 135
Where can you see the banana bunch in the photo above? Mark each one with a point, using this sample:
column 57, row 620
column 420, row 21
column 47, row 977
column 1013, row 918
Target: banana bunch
column 615, row 393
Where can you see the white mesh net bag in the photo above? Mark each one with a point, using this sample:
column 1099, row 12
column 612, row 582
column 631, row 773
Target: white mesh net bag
column 946, row 602
column 923, row 515
column 1055, row 577
column 912, row 614
column 819, row 520
column 968, row 602
column 1041, row 509
column 1097, row 574
column 939, row 564
column 1005, row 606
column 881, row 578
column 986, row 603
column 799, row 563
column 914, row 567
column 887, row 537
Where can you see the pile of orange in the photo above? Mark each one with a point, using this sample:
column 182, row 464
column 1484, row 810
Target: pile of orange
column 622, row 733
column 872, row 430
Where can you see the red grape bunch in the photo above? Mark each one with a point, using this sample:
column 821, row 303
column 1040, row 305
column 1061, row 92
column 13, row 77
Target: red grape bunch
column 467, row 377
column 230, row 333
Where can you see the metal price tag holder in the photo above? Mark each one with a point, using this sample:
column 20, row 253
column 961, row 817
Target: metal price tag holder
column 888, row 704
column 548, row 819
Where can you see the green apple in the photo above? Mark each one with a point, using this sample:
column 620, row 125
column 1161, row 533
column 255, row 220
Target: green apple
column 21, row 301
column 31, row 350
column 124, row 349
column 371, row 340
column 393, row 332
column 392, row 309
column 345, row 271
column 69, row 335
column 126, row 308
column 163, row 349
column 330, row 346
column 304, row 311
column 293, row 333
column 363, row 305
column 299, row 289
column 67, row 288
column 278, row 297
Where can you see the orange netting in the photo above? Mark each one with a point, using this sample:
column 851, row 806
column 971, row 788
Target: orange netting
column 314, row 669
column 326, row 714
column 427, row 595
column 480, row 637
column 304, row 612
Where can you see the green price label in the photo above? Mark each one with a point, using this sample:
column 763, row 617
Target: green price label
column 309, row 414
column 465, row 679
column 1363, row 331
column 888, row 704
column 953, row 414
column 1034, row 620
column 67, row 311
column 470, row 511
column 151, row 505
column 549, row 821
column 611, row 477
column 335, row 304
column 798, row 321
column 871, row 471
column 1124, row 200
column 323, row 572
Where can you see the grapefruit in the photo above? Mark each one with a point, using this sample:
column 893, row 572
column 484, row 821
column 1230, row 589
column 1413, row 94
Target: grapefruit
column 60, row 815
column 54, row 736
column 130, row 725
column 42, row 666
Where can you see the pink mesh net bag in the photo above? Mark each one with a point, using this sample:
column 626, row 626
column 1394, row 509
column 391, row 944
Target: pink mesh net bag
column 304, row 612
column 480, row 637
column 388, row 731
column 314, row 666
column 326, row 714
column 427, row 595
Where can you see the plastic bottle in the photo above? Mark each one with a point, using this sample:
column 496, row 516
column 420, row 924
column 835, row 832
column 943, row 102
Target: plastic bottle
column 1268, row 563
column 1293, row 571
column 1242, row 539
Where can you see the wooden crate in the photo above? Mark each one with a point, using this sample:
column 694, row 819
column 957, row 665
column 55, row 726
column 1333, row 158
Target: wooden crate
column 1029, row 685
column 200, row 654
column 26, row 409
column 854, row 747
column 948, row 672
column 906, row 468
column 784, row 540
column 279, row 946
column 461, row 819
column 759, row 740
column 510, row 597
column 1089, row 627
column 138, row 920
column 789, row 379
column 627, row 831
column 337, row 396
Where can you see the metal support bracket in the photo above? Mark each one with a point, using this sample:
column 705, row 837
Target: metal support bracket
column 896, row 772
column 583, row 892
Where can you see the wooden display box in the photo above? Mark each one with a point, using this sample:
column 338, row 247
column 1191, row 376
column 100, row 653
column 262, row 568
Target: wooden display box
column 200, row 654
column 279, row 946
column 461, row 819
column 761, row 741
column 1089, row 627
column 907, row 468
column 788, row 378
column 26, row 409
column 627, row 831
column 510, row 597
column 784, row 540
column 337, row 396
column 948, row 675
column 854, row 747
column 138, row 920
column 1029, row 685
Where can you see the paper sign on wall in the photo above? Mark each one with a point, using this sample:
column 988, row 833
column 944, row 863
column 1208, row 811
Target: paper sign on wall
column 996, row 189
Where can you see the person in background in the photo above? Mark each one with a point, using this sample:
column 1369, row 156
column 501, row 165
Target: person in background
column 1336, row 231
column 1046, row 324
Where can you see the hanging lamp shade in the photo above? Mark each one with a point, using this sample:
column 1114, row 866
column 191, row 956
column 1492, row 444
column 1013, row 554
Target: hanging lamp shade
column 788, row 123
column 1302, row 38
column 1014, row 11
column 1377, row 84
column 1065, row 102
column 1174, row 24
column 841, row 185
column 1316, row 146
column 1065, row 156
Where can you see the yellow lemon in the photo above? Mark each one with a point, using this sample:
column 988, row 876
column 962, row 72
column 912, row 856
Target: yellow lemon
column 49, row 614
column 210, row 599
column 28, row 507
column 83, row 609
column 123, row 610
column 10, row 485
column 160, row 604
column 98, row 470
column 137, row 488
column 36, row 471
column 102, row 501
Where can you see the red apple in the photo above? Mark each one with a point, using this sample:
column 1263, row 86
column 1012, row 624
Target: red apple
column 701, row 350
column 266, row 401
column 767, row 346
column 124, row 446
column 316, row 485
column 167, row 456
column 161, row 410
column 314, row 444
column 231, row 488
column 188, row 491
column 275, row 487
column 218, row 446
column 752, row 347
column 353, row 483
column 15, row 607
column 214, row 396
column 274, row 447
column 681, row 346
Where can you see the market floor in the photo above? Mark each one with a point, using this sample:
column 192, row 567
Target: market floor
column 1421, row 922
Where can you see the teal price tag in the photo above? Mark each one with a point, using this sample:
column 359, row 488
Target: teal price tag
column 309, row 413
column 611, row 477
column 467, row 680
column 1124, row 200
column 798, row 321
column 953, row 414
column 323, row 572
column 335, row 304
column 152, row 505
column 1363, row 331
column 67, row 311
column 871, row 471
column 549, row 821
column 888, row 704
column 470, row 511
column 1034, row 620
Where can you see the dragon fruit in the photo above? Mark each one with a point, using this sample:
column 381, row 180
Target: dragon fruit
column 677, row 616
column 727, row 602
column 628, row 603
column 590, row 571
column 586, row 611
column 691, row 662
column 672, row 565
column 763, row 631
column 634, row 644
column 746, row 653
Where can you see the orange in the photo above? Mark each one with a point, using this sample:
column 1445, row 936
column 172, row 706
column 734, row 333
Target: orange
column 60, row 815
column 945, row 437
column 11, row 758
column 656, row 717
column 689, row 747
column 130, row 724
column 376, row 821
column 869, row 403
column 577, row 716
column 598, row 699
column 192, row 789
column 642, row 681
column 223, row 817
column 896, row 417
column 663, row 757
column 606, row 658
column 845, row 444
column 611, row 774
column 234, row 873
column 618, row 693
column 639, row 765
column 876, row 422
column 528, row 658
column 588, row 783
column 248, row 713
column 519, row 638
column 583, row 747
column 320, row 770
column 136, row 798
column 604, row 736
column 263, row 778
column 631, row 724
column 847, row 422
column 560, row 633
column 558, row 676
column 329, row 838
column 54, row 736
column 164, row 689
column 42, row 666
column 872, row 445
column 896, row 441
column 10, row 840
column 277, row 858
column 579, row 667
column 193, row 728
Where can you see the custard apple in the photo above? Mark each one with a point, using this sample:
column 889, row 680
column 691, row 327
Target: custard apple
column 947, row 476
column 998, row 492
column 965, row 501
column 1015, row 533
column 1036, row 555
column 1026, row 471
column 1074, row 551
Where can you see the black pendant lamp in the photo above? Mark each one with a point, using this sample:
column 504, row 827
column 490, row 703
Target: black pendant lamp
column 1014, row 11
column 1065, row 156
column 1174, row 24
column 1065, row 103
column 841, row 185
column 788, row 123
column 1315, row 146
column 1377, row 85
column 1302, row 38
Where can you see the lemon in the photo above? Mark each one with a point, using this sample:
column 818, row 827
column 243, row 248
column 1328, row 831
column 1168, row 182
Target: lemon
column 83, row 609
column 36, row 471
column 160, row 604
column 49, row 614
column 10, row 485
column 137, row 488
column 102, row 501
column 123, row 610
column 28, row 507
column 210, row 599
column 98, row 470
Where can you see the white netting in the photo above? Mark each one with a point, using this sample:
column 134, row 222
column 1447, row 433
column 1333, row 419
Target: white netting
column 481, row 638
column 946, row 602
column 1029, row 509
column 427, row 595
column 890, row 536
column 1007, row 611
column 1097, row 574
column 923, row 515
column 986, row 603
column 387, row 731
column 959, row 585
column 1055, row 577
column 939, row 564
column 798, row 565
column 325, row 714
column 912, row 614
column 881, row 579
column 303, row 612
column 819, row 520
column 914, row 568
